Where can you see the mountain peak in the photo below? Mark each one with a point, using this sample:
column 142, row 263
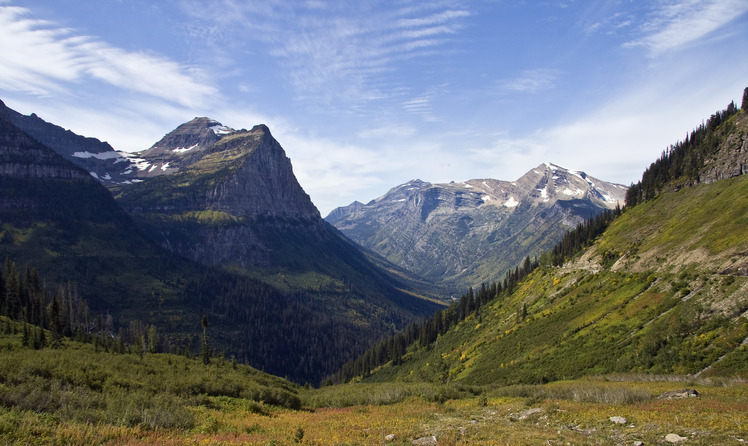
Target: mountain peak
column 194, row 135
column 445, row 231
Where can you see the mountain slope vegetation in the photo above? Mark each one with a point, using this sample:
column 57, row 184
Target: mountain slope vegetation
column 56, row 219
column 235, row 204
column 663, row 290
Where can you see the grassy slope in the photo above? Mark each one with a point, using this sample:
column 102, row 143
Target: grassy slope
column 656, row 302
column 78, row 395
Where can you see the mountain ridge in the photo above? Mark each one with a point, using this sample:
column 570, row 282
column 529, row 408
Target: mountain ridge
column 460, row 233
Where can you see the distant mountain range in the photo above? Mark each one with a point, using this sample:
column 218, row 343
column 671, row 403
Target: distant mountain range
column 463, row 234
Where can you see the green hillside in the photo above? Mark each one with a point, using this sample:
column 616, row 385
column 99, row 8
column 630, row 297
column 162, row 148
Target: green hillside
column 664, row 290
column 42, row 390
column 592, row 317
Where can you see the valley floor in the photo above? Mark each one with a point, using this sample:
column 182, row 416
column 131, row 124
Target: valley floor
column 562, row 413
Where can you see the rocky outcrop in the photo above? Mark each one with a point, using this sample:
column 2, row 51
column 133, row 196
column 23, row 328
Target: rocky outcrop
column 731, row 158
column 678, row 394
column 472, row 232
column 180, row 148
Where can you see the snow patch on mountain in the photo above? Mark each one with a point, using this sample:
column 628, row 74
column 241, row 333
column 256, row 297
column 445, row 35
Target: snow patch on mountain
column 185, row 149
column 100, row 155
column 511, row 203
column 220, row 129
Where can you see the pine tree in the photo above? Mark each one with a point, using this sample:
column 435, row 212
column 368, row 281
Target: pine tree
column 54, row 320
column 205, row 348
column 152, row 339
column 26, row 335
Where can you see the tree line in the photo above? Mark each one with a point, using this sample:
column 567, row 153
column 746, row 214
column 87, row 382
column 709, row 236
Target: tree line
column 251, row 321
column 51, row 314
column 424, row 333
column 682, row 162
column 582, row 236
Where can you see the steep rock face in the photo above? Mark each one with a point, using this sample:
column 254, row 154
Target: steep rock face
column 23, row 157
column 263, row 184
column 233, row 205
column 731, row 157
column 472, row 232
column 97, row 158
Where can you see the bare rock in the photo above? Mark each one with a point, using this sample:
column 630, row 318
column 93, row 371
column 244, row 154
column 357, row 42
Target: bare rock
column 389, row 438
column 527, row 413
column 618, row 420
column 425, row 441
column 679, row 394
column 674, row 438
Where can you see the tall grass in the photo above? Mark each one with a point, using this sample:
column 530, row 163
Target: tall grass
column 579, row 391
column 377, row 394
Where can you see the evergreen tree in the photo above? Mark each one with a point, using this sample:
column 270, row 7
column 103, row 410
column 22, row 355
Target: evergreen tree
column 26, row 335
column 205, row 348
column 152, row 339
column 55, row 325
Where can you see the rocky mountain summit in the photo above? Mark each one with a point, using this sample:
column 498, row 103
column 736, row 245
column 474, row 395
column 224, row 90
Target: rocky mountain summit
column 236, row 203
column 181, row 147
column 470, row 232
column 228, row 192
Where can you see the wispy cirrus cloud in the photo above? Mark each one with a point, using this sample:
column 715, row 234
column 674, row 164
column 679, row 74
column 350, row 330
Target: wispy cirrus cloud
column 674, row 24
column 42, row 58
column 338, row 51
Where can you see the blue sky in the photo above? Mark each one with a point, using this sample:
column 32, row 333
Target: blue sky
column 366, row 95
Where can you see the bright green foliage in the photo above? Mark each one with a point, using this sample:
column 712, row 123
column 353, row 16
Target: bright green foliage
column 656, row 307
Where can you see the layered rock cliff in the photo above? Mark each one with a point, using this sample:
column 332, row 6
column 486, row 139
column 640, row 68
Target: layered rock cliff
column 98, row 158
column 23, row 157
column 231, row 203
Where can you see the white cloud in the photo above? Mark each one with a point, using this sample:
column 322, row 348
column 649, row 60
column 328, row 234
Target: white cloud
column 337, row 53
column 41, row 58
column 530, row 81
column 674, row 24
